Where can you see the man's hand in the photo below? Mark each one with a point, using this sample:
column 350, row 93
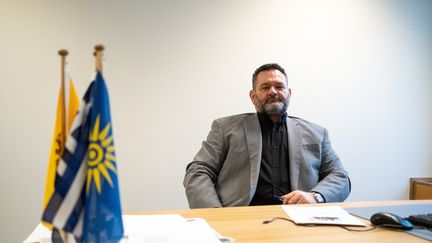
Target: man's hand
column 298, row 197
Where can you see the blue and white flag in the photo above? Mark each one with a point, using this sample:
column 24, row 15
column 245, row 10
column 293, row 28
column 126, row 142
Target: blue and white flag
column 86, row 200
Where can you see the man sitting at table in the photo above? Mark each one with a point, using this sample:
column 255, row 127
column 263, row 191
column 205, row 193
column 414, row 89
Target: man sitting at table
column 266, row 157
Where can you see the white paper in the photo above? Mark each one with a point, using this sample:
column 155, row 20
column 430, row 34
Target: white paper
column 202, row 225
column 39, row 234
column 331, row 215
column 164, row 228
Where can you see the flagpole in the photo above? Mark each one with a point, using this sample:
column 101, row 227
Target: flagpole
column 63, row 53
column 98, row 53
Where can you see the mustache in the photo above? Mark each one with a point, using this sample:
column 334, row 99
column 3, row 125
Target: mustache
column 273, row 100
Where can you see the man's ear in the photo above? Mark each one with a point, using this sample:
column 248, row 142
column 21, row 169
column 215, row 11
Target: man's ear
column 252, row 95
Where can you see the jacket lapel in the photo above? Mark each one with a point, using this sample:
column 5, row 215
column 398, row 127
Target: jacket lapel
column 254, row 145
column 294, row 148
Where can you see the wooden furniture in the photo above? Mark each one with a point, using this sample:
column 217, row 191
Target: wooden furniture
column 420, row 188
column 244, row 224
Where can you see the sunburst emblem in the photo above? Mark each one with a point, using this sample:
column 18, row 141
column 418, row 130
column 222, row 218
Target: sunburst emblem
column 101, row 156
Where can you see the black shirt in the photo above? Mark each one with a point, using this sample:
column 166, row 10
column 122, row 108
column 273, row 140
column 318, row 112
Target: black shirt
column 273, row 180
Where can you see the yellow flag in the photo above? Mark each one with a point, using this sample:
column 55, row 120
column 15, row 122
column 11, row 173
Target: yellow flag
column 67, row 108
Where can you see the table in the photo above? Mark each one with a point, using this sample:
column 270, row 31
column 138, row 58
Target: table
column 244, row 224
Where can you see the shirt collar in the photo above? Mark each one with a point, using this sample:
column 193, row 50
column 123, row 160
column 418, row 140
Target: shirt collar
column 264, row 118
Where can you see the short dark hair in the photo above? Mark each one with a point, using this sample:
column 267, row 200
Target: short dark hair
column 267, row 67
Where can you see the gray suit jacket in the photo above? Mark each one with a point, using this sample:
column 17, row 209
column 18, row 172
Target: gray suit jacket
column 225, row 171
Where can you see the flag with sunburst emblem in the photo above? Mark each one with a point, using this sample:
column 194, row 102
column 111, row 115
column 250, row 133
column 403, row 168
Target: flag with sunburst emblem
column 86, row 201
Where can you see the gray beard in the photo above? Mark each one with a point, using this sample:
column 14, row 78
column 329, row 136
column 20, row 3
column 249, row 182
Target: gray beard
column 276, row 108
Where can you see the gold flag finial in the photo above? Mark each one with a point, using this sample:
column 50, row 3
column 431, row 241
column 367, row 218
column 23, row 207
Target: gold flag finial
column 98, row 53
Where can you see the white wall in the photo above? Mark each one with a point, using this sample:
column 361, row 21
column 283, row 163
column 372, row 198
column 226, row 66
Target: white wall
column 360, row 68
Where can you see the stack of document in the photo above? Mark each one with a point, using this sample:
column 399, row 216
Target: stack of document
column 164, row 228
column 328, row 215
